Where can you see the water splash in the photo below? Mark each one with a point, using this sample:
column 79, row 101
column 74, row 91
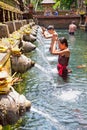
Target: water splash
column 52, row 58
column 45, row 60
column 69, row 95
column 39, row 40
column 43, row 56
column 39, row 37
column 41, row 68
column 49, row 72
column 48, row 116
column 48, row 75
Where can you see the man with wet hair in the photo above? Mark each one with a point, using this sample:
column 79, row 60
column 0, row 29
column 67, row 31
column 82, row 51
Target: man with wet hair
column 50, row 31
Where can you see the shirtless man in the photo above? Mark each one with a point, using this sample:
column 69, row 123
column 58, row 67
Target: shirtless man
column 72, row 28
column 49, row 32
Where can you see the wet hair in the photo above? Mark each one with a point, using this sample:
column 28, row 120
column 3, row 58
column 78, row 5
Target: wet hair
column 50, row 27
column 63, row 40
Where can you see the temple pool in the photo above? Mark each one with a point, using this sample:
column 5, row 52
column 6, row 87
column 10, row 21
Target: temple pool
column 57, row 104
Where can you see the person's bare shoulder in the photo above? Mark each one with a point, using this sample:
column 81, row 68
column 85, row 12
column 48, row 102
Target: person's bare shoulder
column 65, row 52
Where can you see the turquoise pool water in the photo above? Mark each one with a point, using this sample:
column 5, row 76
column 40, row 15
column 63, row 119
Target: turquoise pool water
column 57, row 104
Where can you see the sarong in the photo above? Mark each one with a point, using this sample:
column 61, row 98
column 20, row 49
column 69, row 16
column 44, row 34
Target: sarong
column 62, row 70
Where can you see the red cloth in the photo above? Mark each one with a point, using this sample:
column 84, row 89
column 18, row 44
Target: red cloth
column 61, row 69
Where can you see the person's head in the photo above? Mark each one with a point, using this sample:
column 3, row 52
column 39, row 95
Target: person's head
column 50, row 29
column 62, row 43
column 73, row 22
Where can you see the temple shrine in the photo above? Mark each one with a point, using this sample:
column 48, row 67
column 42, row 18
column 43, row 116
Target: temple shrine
column 60, row 18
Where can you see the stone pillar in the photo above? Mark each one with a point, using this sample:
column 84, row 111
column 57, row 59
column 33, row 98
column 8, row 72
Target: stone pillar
column 12, row 16
column 8, row 15
column 3, row 16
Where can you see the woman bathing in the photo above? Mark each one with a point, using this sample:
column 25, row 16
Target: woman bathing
column 64, row 55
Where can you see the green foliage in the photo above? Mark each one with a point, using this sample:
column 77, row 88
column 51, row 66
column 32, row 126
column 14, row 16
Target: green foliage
column 62, row 4
column 86, row 2
column 57, row 5
column 66, row 4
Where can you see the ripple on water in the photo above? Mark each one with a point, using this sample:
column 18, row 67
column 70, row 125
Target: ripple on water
column 58, row 104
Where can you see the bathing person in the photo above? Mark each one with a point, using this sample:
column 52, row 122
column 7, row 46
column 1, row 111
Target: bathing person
column 64, row 54
column 49, row 32
column 72, row 28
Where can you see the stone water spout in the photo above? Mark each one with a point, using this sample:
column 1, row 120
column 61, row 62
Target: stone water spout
column 27, row 46
column 20, row 63
column 12, row 104
column 12, row 107
column 29, row 37
column 33, row 35
column 34, row 30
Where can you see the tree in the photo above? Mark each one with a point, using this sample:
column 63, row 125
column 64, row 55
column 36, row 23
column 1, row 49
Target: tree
column 66, row 4
column 62, row 4
column 57, row 4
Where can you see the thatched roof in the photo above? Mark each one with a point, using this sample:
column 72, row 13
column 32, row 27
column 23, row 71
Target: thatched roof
column 48, row 2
